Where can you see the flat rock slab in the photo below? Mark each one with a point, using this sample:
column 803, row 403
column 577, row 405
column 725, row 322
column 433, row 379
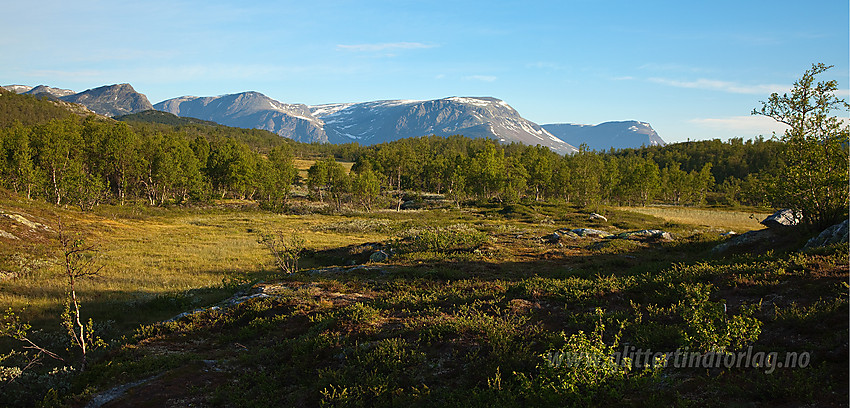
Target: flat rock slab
column 653, row 234
column 747, row 239
column 592, row 233
column 20, row 219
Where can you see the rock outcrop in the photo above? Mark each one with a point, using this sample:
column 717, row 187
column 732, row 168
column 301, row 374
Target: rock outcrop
column 835, row 234
column 782, row 218
column 646, row 234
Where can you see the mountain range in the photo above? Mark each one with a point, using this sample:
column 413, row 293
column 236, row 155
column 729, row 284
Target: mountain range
column 365, row 122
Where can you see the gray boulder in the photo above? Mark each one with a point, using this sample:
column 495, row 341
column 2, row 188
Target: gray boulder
column 379, row 256
column 833, row 235
column 783, row 218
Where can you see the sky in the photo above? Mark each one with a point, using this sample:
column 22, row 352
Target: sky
column 693, row 70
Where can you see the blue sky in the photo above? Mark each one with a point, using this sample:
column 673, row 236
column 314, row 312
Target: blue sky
column 693, row 70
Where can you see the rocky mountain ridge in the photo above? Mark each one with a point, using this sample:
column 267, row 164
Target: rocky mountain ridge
column 50, row 92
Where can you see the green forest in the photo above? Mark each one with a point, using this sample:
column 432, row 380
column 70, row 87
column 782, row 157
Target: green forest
column 87, row 161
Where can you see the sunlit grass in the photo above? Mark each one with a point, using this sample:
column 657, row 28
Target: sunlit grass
column 738, row 221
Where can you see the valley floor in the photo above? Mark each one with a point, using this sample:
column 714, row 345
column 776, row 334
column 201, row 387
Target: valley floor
column 477, row 306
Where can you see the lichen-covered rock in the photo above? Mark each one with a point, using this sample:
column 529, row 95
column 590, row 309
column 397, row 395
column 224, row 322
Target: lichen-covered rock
column 566, row 233
column 592, row 233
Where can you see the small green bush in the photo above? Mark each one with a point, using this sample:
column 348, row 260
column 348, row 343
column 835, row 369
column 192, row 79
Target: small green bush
column 708, row 327
column 458, row 237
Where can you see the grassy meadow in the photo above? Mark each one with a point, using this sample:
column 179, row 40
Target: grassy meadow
column 472, row 308
column 730, row 220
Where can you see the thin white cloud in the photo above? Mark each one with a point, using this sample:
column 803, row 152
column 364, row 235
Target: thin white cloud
column 484, row 78
column 722, row 86
column 379, row 47
column 757, row 125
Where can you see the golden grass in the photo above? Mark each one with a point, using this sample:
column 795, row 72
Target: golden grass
column 738, row 221
column 165, row 253
column 161, row 255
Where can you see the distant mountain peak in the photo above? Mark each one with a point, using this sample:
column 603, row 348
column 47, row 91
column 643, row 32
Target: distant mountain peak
column 18, row 89
column 39, row 90
column 111, row 100
column 250, row 109
column 387, row 120
column 601, row 137
column 53, row 92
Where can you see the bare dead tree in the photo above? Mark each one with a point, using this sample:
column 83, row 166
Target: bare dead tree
column 286, row 249
column 79, row 263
